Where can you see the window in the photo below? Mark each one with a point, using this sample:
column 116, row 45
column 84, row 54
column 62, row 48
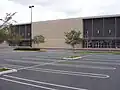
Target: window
column 98, row 31
column 109, row 31
column 86, row 32
column 86, row 35
column 28, row 34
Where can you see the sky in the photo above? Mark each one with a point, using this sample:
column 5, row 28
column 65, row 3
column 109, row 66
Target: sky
column 57, row 9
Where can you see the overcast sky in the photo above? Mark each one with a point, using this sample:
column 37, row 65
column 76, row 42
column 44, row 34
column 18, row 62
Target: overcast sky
column 58, row 9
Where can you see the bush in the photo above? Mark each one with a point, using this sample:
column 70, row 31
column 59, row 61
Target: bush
column 27, row 49
column 3, row 69
column 73, row 56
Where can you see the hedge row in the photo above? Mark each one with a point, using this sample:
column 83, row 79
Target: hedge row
column 28, row 49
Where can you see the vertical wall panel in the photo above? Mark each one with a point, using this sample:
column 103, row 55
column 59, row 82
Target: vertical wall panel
column 22, row 30
column 28, row 31
column 98, row 27
column 87, row 26
column 118, row 27
column 16, row 29
column 109, row 27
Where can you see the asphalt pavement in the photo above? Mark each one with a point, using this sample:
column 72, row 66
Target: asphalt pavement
column 48, row 71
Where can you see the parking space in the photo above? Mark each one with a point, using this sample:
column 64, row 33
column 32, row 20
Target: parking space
column 9, row 84
column 48, row 71
column 85, row 69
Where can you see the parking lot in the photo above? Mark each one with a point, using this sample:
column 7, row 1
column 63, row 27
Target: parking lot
column 48, row 71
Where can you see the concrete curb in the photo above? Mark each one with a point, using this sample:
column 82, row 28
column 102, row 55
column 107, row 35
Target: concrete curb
column 29, row 51
column 25, row 51
column 8, row 71
column 72, row 58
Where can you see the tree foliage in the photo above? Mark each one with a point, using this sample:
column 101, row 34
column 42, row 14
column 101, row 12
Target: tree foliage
column 73, row 37
column 7, row 21
column 5, row 28
column 38, row 39
column 14, row 38
column 2, row 36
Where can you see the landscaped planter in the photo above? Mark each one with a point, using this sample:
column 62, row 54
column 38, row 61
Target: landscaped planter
column 6, row 71
column 72, row 58
column 30, row 50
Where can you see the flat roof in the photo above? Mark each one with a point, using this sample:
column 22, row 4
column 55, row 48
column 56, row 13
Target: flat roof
column 101, row 16
column 60, row 19
column 86, row 17
column 21, row 23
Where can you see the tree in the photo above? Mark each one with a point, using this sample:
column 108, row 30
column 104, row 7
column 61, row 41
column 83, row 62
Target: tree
column 2, row 36
column 14, row 38
column 72, row 38
column 38, row 39
column 7, row 21
column 5, row 26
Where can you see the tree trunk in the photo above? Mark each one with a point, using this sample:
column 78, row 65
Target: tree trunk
column 37, row 45
column 73, row 48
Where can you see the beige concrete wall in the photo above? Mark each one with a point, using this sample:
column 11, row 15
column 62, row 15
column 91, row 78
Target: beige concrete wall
column 54, row 30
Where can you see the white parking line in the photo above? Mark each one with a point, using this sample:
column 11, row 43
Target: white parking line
column 94, row 62
column 85, row 66
column 86, row 56
column 11, row 60
column 42, row 64
column 28, row 84
column 21, row 67
column 38, row 59
column 59, row 56
column 38, row 64
column 34, row 66
column 112, row 60
column 70, row 73
column 11, row 65
column 45, row 83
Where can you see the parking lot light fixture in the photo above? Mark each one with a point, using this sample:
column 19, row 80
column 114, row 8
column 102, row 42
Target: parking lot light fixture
column 31, row 25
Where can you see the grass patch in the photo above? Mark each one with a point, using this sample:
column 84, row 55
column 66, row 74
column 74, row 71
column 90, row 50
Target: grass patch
column 73, row 56
column 116, row 53
column 97, row 52
column 4, row 69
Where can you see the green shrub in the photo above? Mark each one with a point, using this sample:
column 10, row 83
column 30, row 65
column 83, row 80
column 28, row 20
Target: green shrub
column 3, row 69
column 73, row 56
column 27, row 49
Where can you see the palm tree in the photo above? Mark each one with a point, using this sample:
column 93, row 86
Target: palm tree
column 38, row 39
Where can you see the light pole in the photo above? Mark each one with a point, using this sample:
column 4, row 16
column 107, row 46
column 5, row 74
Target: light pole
column 31, row 25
